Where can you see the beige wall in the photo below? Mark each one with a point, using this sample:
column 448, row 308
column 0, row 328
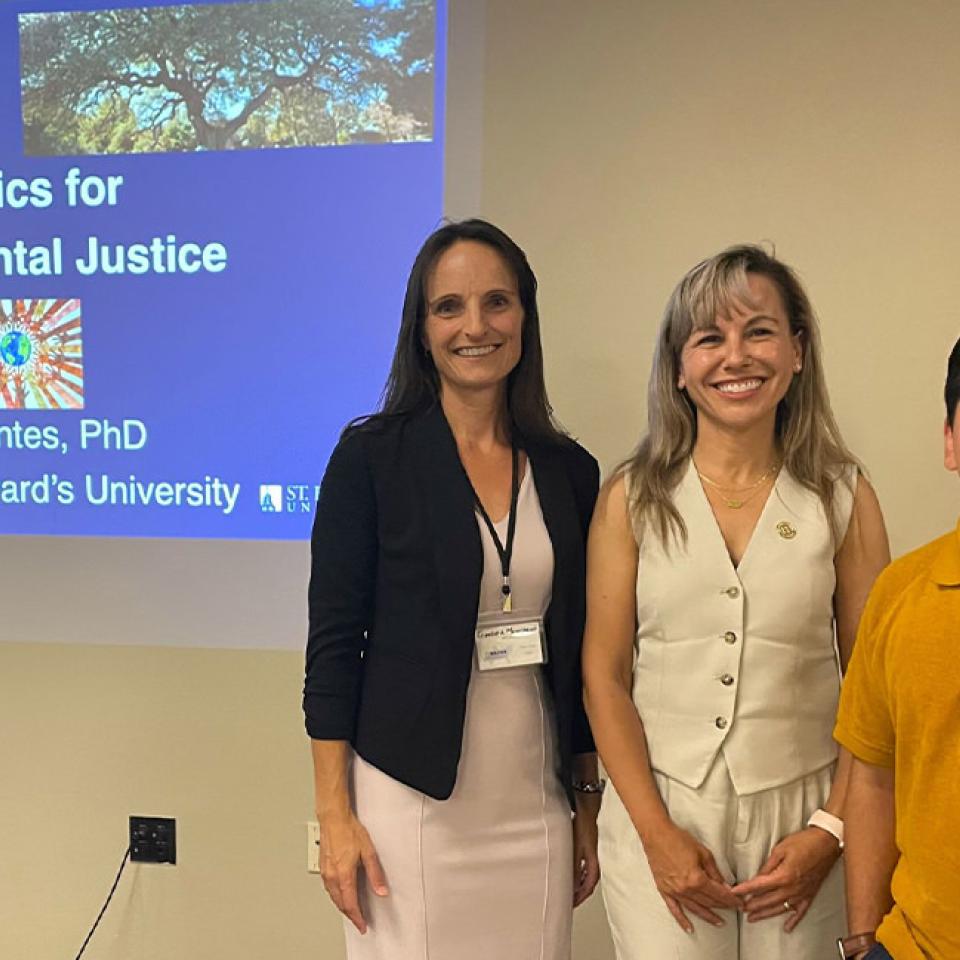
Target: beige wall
column 622, row 142
column 213, row 737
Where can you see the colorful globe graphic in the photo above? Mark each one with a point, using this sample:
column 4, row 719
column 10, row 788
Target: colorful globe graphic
column 41, row 355
column 15, row 348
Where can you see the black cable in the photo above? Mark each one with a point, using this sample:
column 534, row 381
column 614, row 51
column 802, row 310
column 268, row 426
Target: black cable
column 103, row 909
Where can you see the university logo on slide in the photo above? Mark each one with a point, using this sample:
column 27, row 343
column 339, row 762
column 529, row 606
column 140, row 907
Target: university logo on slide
column 271, row 498
column 41, row 355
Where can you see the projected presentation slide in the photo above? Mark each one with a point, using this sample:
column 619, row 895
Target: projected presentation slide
column 207, row 215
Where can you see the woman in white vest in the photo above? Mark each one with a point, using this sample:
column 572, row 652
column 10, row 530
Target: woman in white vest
column 729, row 561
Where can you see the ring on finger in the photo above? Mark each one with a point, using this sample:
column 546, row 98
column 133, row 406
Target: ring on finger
column 789, row 907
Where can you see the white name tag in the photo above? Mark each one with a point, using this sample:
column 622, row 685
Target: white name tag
column 505, row 642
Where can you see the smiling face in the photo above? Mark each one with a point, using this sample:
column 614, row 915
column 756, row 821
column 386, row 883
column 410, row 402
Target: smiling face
column 474, row 318
column 737, row 369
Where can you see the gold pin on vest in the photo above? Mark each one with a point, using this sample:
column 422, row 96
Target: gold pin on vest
column 786, row 530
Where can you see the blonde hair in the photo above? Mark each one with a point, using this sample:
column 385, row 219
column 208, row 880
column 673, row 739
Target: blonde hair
column 807, row 434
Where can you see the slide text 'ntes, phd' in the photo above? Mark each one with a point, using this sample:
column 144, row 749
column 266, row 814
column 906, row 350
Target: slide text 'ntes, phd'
column 128, row 434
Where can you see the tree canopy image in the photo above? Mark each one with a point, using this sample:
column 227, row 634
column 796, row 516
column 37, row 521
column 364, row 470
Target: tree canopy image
column 282, row 73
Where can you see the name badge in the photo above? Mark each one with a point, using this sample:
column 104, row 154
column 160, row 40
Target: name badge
column 510, row 642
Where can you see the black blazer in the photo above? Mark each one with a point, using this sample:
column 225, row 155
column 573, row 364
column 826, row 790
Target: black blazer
column 394, row 590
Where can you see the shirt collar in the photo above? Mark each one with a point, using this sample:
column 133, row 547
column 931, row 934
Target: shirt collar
column 946, row 565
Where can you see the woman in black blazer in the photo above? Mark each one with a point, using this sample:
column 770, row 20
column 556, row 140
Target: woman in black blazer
column 443, row 688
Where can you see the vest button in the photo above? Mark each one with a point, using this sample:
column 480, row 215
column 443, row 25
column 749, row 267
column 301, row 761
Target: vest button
column 721, row 723
column 732, row 592
column 726, row 680
column 730, row 637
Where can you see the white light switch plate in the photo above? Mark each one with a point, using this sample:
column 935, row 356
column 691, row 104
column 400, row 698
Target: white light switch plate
column 313, row 846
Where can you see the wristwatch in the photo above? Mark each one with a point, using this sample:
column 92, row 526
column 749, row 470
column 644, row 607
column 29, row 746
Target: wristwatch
column 855, row 944
column 589, row 786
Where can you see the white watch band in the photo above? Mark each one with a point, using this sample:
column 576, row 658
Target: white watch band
column 828, row 822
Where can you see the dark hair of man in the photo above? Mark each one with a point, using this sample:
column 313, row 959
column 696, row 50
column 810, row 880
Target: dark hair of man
column 413, row 385
column 951, row 390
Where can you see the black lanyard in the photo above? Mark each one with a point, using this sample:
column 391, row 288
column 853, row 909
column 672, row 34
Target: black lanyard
column 504, row 552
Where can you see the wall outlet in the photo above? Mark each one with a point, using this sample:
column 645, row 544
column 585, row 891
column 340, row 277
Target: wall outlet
column 153, row 840
column 313, row 846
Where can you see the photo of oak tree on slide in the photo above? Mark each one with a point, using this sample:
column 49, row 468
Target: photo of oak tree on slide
column 226, row 76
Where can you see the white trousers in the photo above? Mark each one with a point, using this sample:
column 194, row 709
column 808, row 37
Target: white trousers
column 740, row 831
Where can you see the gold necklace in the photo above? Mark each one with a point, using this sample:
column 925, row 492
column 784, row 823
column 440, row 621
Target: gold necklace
column 735, row 503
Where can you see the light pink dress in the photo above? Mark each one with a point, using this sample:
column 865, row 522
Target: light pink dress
column 487, row 874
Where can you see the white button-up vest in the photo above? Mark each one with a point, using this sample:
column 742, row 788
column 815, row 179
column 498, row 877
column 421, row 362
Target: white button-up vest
column 740, row 659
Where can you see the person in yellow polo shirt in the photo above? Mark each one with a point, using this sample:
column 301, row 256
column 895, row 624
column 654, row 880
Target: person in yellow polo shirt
column 900, row 718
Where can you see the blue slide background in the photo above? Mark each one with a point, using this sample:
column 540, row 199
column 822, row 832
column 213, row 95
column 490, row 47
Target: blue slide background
column 247, row 375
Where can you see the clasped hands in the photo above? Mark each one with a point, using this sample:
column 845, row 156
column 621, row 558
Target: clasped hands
column 688, row 879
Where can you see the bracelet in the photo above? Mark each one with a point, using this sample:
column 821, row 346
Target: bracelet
column 829, row 824
column 589, row 786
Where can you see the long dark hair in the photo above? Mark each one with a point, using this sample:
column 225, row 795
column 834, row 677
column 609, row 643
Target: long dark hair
column 413, row 385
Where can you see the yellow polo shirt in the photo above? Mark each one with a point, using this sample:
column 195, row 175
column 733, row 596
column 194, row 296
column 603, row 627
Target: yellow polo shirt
column 900, row 708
